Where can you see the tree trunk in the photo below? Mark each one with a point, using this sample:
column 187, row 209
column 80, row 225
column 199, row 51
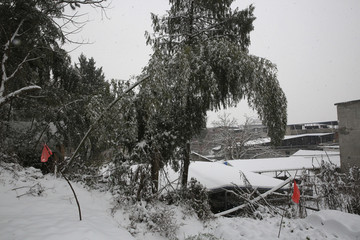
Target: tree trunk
column 155, row 168
column 185, row 170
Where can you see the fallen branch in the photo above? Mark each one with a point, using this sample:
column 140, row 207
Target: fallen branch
column 35, row 190
column 264, row 195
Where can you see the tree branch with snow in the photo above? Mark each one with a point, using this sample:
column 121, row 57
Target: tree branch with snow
column 4, row 98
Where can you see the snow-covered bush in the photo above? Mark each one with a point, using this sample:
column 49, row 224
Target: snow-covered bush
column 154, row 216
column 339, row 191
column 194, row 198
column 130, row 182
column 160, row 220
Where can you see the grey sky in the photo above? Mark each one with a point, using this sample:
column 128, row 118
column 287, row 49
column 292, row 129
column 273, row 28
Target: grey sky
column 315, row 45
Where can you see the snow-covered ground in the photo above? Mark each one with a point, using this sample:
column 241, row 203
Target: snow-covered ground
column 33, row 207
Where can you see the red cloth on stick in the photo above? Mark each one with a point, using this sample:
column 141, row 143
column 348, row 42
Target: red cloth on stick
column 46, row 153
column 296, row 194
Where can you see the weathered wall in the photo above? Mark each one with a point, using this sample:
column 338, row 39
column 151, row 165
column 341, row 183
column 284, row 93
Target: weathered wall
column 349, row 133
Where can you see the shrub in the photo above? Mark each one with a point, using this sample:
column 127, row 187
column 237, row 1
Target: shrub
column 339, row 191
column 156, row 217
column 194, row 198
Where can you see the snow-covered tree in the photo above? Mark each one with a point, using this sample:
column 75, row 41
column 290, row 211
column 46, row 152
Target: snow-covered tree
column 201, row 62
column 31, row 37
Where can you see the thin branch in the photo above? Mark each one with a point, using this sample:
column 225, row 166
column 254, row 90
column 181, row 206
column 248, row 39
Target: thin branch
column 72, row 189
column 5, row 56
column 20, row 65
column 89, row 2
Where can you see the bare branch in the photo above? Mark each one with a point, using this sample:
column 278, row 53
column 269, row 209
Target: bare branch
column 18, row 92
column 20, row 65
column 74, row 20
column 5, row 56
column 5, row 78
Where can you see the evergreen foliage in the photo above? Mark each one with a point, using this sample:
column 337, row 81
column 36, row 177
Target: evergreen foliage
column 70, row 96
column 201, row 62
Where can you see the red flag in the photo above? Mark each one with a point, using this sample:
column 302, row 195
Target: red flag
column 296, row 195
column 46, row 153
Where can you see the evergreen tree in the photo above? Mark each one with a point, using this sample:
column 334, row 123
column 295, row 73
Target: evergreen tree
column 89, row 94
column 31, row 36
column 201, row 62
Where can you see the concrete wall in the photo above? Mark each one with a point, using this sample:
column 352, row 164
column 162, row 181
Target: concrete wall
column 349, row 133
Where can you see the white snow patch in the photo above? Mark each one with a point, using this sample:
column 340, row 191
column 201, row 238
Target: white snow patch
column 339, row 224
column 33, row 206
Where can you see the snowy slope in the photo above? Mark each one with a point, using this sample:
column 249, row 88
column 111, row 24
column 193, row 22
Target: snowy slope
column 48, row 209
column 33, row 206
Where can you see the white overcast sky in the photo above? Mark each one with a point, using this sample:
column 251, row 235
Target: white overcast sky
column 314, row 43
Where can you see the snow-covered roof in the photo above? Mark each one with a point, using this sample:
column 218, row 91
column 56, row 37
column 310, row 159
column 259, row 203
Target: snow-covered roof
column 303, row 159
column 215, row 175
column 268, row 140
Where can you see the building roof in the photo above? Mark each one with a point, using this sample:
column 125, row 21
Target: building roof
column 348, row 102
column 268, row 140
column 302, row 159
column 217, row 175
